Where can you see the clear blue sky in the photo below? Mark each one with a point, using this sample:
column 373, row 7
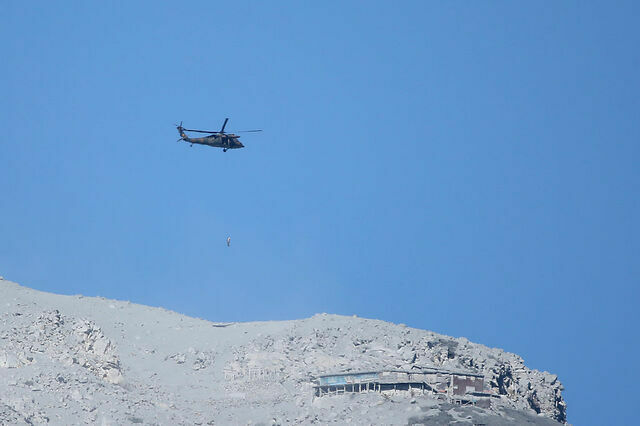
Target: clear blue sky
column 465, row 167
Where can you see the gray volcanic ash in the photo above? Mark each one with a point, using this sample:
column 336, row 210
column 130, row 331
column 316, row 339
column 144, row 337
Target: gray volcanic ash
column 75, row 359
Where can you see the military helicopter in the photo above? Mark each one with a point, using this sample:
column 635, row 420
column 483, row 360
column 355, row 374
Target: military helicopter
column 216, row 139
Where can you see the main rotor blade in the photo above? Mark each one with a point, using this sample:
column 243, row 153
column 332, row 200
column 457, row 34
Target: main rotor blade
column 200, row 131
column 223, row 126
column 215, row 132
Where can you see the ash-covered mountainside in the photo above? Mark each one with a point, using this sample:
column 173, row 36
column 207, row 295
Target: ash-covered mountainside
column 75, row 359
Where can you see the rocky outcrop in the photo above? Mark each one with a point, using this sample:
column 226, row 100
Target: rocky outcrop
column 67, row 341
column 540, row 390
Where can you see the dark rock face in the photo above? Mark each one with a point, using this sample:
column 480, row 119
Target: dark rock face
column 541, row 390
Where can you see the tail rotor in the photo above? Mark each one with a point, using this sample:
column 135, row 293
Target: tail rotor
column 180, row 130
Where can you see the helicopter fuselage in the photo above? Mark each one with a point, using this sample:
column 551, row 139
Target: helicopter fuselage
column 225, row 142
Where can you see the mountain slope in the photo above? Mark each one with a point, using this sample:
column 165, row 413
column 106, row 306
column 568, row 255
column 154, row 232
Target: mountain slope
column 75, row 359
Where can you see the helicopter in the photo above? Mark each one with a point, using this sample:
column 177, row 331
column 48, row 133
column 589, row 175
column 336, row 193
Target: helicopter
column 218, row 139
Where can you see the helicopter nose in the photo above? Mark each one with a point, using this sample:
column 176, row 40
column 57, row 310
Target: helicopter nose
column 240, row 145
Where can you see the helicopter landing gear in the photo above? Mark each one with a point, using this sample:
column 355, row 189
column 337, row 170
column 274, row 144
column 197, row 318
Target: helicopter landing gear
column 224, row 149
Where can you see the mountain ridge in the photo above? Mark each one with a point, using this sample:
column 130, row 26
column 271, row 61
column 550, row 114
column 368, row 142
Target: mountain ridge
column 90, row 359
